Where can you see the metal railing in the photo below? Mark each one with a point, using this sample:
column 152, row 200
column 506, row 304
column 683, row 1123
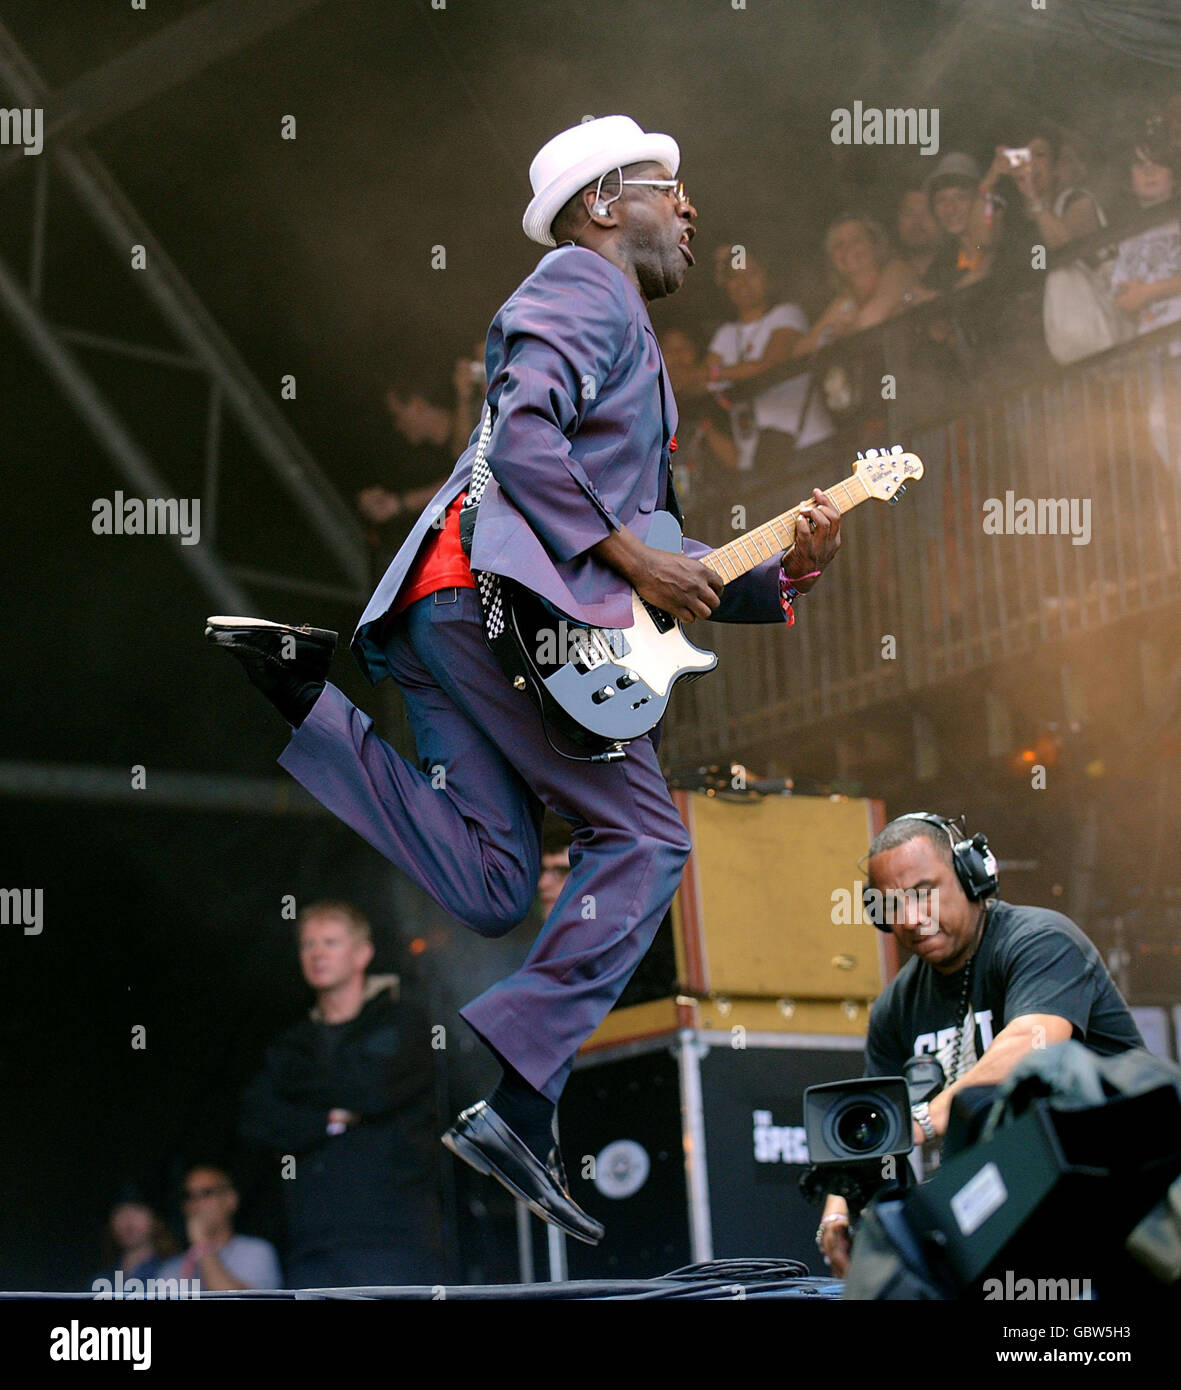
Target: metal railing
column 949, row 582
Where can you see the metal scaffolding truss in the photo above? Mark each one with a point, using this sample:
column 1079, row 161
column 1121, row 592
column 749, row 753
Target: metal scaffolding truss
column 168, row 58
column 163, row 789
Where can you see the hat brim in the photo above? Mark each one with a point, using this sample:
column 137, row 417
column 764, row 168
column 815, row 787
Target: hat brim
column 545, row 206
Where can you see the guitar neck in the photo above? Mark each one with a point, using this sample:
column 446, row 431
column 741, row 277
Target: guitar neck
column 774, row 537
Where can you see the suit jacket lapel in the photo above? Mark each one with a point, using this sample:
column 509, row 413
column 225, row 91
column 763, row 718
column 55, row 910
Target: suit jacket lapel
column 666, row 490
column 668, row 404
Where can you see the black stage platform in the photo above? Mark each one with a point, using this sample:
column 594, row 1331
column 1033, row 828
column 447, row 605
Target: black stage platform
column 721, row 1280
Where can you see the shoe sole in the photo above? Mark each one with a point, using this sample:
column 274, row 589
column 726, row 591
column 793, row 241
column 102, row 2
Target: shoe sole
column 223, row 625
column 477, row 1159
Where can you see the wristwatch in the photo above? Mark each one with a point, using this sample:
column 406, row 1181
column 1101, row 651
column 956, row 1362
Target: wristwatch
column 828, row 1221
column 922, row 1116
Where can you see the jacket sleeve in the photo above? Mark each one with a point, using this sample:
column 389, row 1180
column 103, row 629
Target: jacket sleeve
column 564, row 331
column 272, row 1122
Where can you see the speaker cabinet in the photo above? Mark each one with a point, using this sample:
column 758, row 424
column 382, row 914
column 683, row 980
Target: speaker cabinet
column 770, row 902
column 692, row 1149
column 767, row 932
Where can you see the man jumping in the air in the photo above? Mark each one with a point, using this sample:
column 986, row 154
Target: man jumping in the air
column 581, row 418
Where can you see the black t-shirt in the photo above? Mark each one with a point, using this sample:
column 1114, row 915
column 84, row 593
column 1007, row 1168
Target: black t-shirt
column 944, row 272
column 1029, row 961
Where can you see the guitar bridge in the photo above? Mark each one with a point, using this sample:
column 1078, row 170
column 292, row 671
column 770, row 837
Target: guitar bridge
column 591, row 648
column 589, row 656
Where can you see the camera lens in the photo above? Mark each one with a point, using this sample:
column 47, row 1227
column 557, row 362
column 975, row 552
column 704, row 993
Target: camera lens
column 861, row 1127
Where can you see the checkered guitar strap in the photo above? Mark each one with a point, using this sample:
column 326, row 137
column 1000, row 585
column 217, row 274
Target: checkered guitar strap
column 487, row 584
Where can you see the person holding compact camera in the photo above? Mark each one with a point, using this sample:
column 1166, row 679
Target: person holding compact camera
column 987, row 982
column 1060, row 210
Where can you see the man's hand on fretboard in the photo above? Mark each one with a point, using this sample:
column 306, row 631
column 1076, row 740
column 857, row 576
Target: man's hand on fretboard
column 818, row 538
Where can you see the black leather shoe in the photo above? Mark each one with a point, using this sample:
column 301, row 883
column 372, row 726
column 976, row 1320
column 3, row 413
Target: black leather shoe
column 480, row 1137
column 288, row 664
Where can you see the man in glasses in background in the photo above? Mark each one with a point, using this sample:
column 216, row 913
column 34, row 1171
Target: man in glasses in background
column 578, row 427
column 216, row 1256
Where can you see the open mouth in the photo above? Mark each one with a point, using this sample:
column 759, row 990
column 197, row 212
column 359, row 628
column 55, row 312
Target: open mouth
column 683, row 247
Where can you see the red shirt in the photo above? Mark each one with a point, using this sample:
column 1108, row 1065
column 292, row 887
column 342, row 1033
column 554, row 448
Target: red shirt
column 440, row 564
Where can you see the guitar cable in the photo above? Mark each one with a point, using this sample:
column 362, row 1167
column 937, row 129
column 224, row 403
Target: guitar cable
column 614, row 756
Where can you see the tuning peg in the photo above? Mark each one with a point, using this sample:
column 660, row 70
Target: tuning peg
column 871, row 453
column 860, row 455
column 901, row 489
column 897, row 449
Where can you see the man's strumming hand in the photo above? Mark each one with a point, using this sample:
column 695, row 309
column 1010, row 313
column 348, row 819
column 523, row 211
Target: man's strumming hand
column 667, row 579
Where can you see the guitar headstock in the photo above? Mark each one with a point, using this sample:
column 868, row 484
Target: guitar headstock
column 885, row 472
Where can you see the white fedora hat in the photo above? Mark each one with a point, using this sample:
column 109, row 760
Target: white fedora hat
column 578, row 156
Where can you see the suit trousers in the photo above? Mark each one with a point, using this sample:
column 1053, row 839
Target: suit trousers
column 465, row 825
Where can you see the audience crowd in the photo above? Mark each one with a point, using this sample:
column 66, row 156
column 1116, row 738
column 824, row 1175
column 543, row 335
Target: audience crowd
column 342, row 1116
column 768, row 382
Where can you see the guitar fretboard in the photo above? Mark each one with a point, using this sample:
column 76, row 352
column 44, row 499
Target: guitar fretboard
column 739, row 556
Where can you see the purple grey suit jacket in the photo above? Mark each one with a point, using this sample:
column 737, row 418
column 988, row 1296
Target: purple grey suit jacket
column 582, row 417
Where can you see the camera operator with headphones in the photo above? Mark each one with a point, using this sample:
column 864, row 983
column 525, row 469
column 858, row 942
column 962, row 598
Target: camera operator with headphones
column 987, row 983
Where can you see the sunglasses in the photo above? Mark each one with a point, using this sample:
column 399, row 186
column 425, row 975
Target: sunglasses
column 674, row 188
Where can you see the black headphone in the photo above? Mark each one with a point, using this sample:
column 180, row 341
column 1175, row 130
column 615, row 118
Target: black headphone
column 974, row 863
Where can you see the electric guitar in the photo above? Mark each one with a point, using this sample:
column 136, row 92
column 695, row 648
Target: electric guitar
column 603, row 687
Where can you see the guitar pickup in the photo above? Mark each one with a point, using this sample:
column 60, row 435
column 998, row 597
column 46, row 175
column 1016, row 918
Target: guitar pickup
column 665, row 622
